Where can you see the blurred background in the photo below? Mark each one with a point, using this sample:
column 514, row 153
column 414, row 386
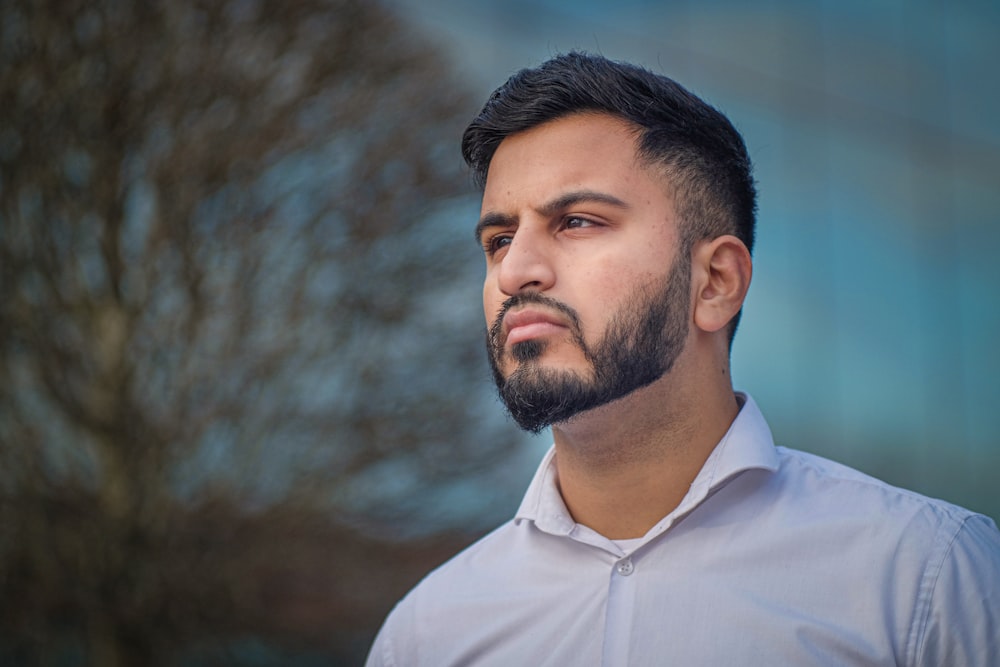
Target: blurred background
column 243, row 401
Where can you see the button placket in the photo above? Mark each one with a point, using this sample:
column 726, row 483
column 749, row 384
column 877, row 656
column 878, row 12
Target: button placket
column 619, row 612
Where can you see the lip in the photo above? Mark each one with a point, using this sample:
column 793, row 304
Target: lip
column 524, row 325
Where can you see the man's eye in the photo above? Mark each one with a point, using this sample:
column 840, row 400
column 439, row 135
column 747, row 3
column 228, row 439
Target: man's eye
column 576, row 223
column 495, row 243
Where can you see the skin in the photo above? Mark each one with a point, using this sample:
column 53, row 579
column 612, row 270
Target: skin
column 569, row 211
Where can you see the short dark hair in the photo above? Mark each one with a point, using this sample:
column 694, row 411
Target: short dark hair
column 701, row 152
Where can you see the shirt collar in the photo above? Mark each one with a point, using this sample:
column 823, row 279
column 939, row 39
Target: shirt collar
column 543, row 503
column 746, row 445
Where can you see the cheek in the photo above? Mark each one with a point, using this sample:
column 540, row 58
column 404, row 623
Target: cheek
column 491, row 306
column 608, row 295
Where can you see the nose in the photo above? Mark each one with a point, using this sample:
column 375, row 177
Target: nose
column 526, row 266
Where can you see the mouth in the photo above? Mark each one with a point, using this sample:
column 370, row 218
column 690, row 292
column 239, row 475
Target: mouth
column 528, row 324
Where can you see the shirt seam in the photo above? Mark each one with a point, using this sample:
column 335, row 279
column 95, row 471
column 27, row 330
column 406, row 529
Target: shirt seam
column 921, row 617
column 803, row 458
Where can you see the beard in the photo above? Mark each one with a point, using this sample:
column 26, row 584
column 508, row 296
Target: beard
column 639, row 346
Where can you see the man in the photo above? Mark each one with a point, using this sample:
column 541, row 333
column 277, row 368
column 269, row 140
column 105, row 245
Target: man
column 664, row 527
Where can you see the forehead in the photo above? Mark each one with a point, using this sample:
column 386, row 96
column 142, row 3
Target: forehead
column 583, row 151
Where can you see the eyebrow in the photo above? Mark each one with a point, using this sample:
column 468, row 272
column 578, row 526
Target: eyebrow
column 494, row 219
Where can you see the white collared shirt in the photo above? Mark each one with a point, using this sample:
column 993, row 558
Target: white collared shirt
column 774, row 557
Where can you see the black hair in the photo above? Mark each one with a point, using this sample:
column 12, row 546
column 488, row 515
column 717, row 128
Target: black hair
column 701, row 153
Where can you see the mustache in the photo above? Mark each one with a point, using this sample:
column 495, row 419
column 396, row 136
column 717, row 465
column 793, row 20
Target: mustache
column 531, row 298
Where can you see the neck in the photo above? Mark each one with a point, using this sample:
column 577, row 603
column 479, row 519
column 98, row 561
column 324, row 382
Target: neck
column 624, row 466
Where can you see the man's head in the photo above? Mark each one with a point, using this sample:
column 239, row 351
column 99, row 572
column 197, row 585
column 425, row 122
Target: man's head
column 599, row 181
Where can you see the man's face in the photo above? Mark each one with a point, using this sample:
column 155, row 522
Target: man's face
column 587, row 291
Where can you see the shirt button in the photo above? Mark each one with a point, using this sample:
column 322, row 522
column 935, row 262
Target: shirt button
column 625, row 567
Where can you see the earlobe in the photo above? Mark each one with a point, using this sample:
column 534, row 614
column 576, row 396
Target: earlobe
column 723, row 271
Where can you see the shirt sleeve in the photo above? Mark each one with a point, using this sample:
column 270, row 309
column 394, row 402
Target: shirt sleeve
column 962, row 623
column 378, row 654
column 395, row 643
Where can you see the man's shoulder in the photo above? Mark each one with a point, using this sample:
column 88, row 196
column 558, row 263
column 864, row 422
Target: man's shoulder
column 820, row 474
column 827, row 488
column 482, row 560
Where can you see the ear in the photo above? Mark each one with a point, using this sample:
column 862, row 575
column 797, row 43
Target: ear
column 721, row 271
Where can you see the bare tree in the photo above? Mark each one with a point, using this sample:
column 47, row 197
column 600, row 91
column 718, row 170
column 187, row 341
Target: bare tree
column 227, row 282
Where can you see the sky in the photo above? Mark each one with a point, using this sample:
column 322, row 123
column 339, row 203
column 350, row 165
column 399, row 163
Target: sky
column 870, row 330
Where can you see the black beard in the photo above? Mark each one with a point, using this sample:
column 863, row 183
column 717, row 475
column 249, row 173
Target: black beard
column 640, row 345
